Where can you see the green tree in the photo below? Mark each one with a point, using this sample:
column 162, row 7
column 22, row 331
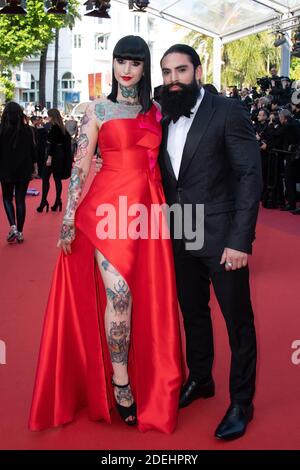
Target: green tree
column 248, row 58
column 295, row 69
column 243, row 60
column 24, row 36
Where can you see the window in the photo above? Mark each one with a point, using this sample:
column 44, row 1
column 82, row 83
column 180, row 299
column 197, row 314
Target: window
column 77, row 41
column 67, row 81
column 101, row 42
column 31, row 95
column 28, row 97
column 137, row 23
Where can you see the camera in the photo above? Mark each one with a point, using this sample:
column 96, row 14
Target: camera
column 264, row 83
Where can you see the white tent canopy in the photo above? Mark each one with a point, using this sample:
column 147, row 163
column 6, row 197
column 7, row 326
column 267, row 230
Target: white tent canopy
column 228, row 20
column 225, row 19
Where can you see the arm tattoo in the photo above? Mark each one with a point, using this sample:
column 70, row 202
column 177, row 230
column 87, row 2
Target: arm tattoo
column 85, row 119
column 108, row 267
column 67, row 232
column 82, row 148
column 120, row 297
column 74, row 192
column 118, row 342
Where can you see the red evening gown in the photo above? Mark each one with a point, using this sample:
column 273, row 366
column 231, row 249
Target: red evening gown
column 74, row 368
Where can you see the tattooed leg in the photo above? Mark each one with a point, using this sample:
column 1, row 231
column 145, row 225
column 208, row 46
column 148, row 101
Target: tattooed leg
column 117, row 325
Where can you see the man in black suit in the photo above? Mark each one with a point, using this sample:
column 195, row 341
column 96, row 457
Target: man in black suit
column 209, row 156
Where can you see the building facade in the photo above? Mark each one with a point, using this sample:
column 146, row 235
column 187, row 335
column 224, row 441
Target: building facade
column 85, row 56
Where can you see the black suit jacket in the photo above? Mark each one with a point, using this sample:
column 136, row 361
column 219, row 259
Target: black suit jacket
column 221, row 169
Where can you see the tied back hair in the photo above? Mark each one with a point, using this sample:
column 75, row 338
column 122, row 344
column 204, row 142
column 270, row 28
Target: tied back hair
column 13, row 122
column 134, row 48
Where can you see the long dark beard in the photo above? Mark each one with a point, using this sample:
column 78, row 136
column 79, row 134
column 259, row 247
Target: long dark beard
column 175, row 104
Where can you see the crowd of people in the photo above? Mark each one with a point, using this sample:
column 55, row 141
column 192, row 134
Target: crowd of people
column 276, row 120
column 33, row 146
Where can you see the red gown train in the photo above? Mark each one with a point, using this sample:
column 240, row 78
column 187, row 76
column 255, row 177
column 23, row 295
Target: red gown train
column 74, row 367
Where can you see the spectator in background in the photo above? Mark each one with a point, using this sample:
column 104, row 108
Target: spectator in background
column 245, row 99
column 211, row 88
column 41, row 139
column 296, row 110
column 71, row 126
column 290, row 141
column 58, row 160
column 235, row 93
column 261, row 131
column 17, row 163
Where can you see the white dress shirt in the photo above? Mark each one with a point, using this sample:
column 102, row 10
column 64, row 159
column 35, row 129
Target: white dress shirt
column 177, row 134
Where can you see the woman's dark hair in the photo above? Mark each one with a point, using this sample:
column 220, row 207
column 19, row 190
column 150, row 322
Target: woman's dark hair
column 56, row 118
column 13, row 121
column 134, row 48
column 184, row 49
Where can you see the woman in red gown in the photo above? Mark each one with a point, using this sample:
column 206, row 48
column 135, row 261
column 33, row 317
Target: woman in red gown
column 111, row 332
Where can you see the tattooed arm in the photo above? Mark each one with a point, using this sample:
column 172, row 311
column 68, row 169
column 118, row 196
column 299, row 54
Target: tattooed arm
column 85, row 151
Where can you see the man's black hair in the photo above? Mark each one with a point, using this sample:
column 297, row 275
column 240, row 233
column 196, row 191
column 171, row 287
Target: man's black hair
column 184, row 49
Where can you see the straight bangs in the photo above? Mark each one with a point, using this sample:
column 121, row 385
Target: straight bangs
column 134, row 48
column 128, row 56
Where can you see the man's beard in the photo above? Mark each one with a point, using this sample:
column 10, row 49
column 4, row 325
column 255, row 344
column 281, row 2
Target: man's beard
column 175, row 104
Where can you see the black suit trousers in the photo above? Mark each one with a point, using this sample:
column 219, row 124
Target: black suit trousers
column 232, row 290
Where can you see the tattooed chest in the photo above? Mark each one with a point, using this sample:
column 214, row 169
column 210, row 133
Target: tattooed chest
column 107, row 111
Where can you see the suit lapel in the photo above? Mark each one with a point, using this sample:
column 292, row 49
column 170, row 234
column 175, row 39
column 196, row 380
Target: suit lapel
column 165, row 153
column 196, row 132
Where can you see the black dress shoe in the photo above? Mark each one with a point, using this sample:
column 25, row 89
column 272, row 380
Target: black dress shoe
column 234, row 423
column 193, row 390
column 288, row 207
column 296, row 211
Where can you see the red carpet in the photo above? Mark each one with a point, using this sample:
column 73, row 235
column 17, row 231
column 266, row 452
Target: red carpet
column 25, row 272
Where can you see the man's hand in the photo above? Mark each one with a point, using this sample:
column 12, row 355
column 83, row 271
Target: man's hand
column 67, row 236
column 263, row 146
column 99, row 164
column 234, row 259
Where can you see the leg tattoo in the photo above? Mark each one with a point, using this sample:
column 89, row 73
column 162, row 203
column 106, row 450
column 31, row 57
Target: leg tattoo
column 120, row 297
column 118, row 342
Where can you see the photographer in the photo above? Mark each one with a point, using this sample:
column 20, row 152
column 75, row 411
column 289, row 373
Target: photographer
column 273, row 168
column 286, row 93
column 261, row 131
column 296, row 110
column 290, row 134
column 246, row 99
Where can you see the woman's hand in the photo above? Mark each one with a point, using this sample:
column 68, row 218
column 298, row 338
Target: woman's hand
column 49, row 161
column 67, row 236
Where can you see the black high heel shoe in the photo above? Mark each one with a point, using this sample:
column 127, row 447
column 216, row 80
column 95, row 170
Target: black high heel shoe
column 57, row 205
column 42, row 205
column 126, row 411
